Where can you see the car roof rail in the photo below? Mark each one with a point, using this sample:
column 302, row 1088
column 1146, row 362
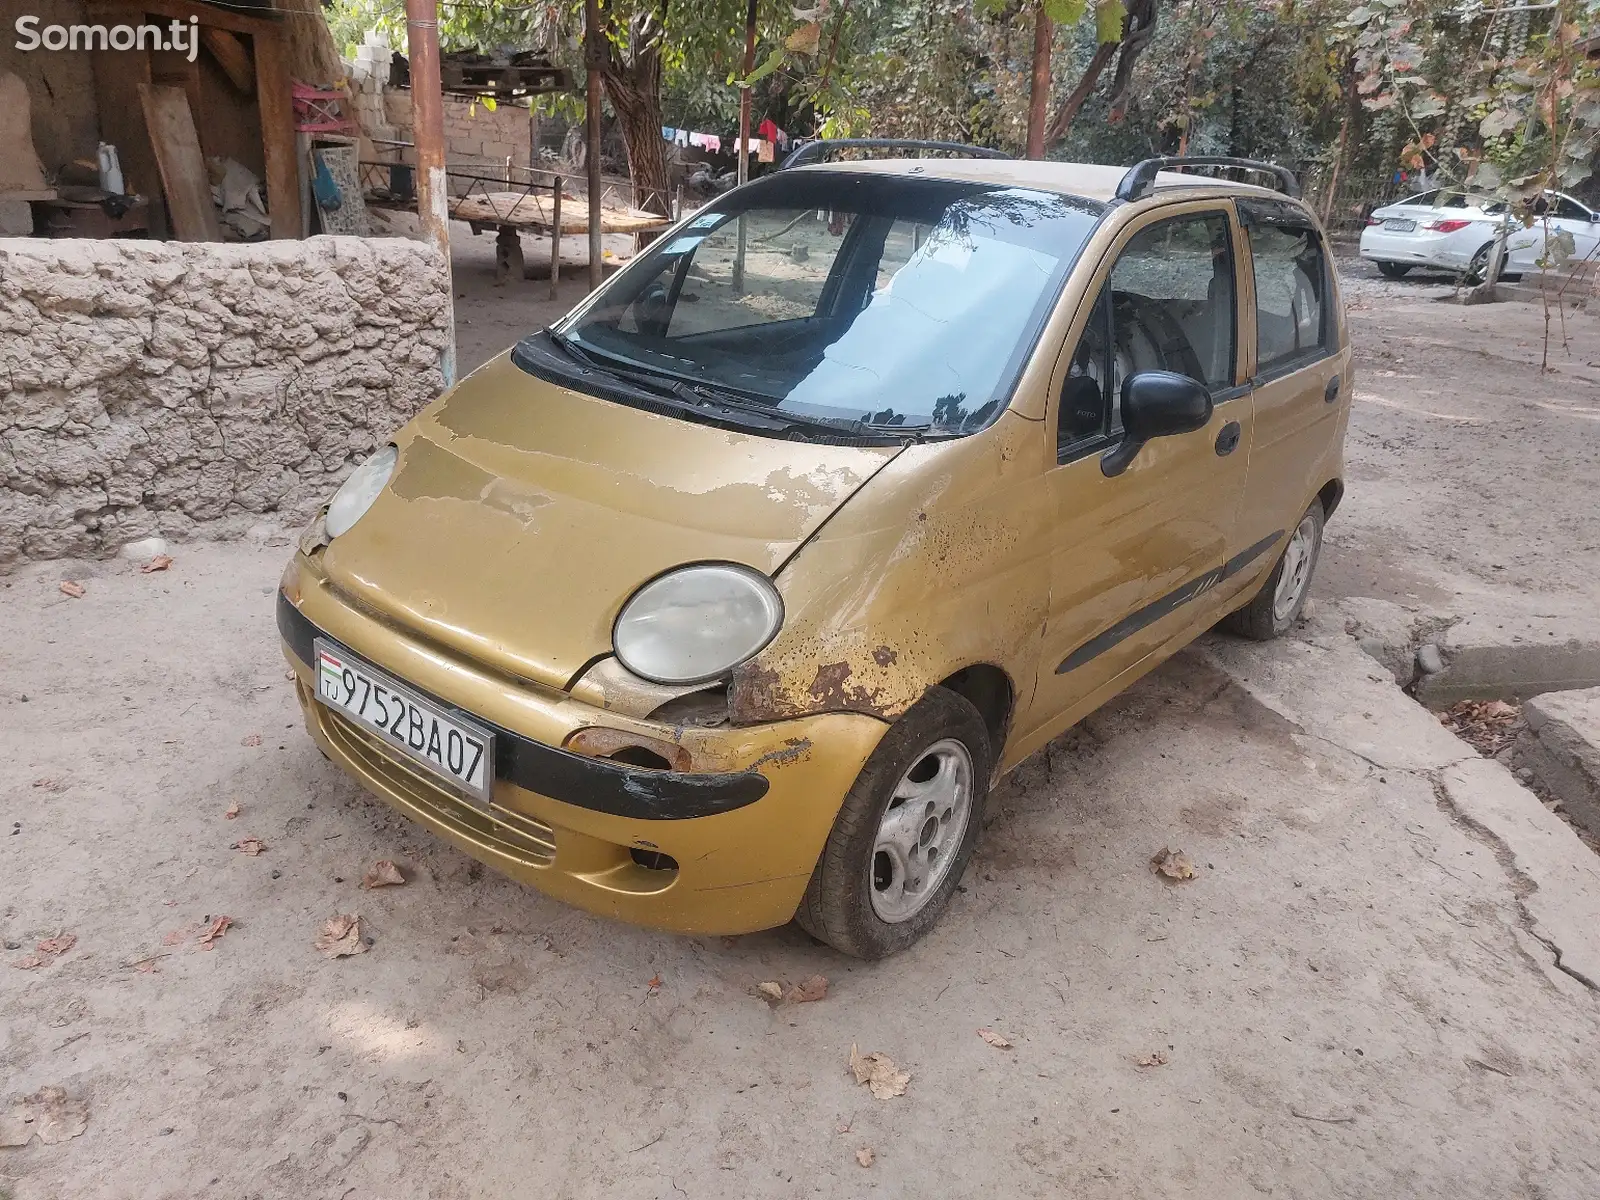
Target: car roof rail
column 820, row 148
column 1140, row 180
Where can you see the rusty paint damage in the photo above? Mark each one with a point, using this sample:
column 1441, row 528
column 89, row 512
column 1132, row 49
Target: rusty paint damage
column 794, row 750
column 761, row 693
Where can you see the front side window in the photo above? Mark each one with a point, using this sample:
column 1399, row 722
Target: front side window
column 1294, row 324
column 1567, row 209
column 1168, row 306
column 894, row 302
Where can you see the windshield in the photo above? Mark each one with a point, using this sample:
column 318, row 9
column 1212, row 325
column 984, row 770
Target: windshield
column 886, row 300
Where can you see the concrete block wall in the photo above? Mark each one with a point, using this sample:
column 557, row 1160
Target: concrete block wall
column 152, row 387
column 479, row 141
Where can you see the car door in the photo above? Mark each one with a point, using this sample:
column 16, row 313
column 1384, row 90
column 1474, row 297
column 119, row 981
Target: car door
column 1135, row 555
column 1299, row 374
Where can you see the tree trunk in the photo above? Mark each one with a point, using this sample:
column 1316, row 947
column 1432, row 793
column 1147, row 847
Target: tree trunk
column 1039, row 96
column 1138, row 28
column 634, row 90
column 1070, row 106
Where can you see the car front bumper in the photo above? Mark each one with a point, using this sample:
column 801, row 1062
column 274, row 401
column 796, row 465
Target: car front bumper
column 743, row 826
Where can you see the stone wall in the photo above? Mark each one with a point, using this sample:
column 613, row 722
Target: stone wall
column 146, row 387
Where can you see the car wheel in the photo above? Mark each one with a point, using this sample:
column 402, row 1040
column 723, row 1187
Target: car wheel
column 1279, row 603
column 1393, row 270
column 1479, row 266
column 904, row 833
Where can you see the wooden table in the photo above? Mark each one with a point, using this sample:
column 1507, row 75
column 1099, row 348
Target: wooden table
column 551, row 211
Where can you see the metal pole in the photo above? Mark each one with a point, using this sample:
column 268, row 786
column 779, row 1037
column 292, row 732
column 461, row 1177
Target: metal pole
column 427, row 111
column 592, row 51
column 744, row 136
column 555, row 239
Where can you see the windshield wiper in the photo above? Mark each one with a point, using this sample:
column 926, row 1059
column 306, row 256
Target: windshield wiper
column 703, row 395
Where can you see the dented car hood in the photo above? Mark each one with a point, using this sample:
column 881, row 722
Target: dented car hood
column 522, row 515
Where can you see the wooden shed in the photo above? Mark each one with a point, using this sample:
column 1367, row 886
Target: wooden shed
column 238, row 91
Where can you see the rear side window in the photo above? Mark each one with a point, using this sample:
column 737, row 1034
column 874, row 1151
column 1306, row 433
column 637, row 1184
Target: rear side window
column 1168, row 306
column 1293, row 321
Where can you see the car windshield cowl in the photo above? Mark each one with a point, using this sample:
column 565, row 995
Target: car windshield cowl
column 548, row 356
column 855, row 304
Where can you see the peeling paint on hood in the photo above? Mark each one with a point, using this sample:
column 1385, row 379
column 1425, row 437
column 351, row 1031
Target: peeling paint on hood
column 522, row 516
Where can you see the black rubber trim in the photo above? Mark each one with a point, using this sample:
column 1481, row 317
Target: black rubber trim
column 1170, row 603
column 576, row 779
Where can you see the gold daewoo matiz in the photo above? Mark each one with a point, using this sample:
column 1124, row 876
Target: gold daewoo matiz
column 725, row 600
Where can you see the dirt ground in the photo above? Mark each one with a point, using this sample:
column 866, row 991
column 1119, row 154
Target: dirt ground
column 1356, row 997
column 1472, row 475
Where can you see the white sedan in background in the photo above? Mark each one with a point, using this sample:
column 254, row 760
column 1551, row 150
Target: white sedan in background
column 1454, row 231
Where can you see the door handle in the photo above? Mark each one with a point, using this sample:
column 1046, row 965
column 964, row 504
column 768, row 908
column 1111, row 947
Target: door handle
column 1228, row 439
column 1331, row 392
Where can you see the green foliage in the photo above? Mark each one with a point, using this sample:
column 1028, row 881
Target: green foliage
column 1504, row 100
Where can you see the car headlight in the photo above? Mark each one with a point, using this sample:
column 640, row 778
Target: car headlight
column 356, row 494
column 694, row 624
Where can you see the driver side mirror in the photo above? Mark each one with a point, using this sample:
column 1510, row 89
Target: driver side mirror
column 1156, row 404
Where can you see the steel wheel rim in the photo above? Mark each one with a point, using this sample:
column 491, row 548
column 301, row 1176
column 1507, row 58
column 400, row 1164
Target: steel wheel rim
column 920, row 832
column 1296, row 572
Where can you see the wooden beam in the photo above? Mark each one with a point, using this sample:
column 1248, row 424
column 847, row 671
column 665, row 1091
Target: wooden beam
column 127, row 12
column 276, row 102
column 183, row 166
column 232, row 57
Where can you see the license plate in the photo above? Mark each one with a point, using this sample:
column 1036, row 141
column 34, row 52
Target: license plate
column 1400, row 225
column 456, row 750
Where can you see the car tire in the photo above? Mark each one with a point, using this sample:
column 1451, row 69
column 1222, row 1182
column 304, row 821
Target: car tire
column 933, row 761
column 1479, row 266
column 1271, row 614
column 1393, row 270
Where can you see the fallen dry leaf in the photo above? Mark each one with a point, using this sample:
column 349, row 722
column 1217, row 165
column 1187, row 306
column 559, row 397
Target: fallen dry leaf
column 1156, row 1058
column 1173, row 864
column 879, row 1073
column 233, row 811
column 250, row 845
column 47, row 951
column 865, row 1155
column 341, row 936
column 250, row 739
column 1489, row 725
column 383, row 874
column 71, row 587
column 655, row 982
column 812, row 990
column 209, row 935
column 159, row 563
column 148, row 966
column 998, row 1040
column 772, row 991
column 47, row 1114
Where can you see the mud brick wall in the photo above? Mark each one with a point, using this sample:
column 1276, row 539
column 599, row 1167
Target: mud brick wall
column 148, row 387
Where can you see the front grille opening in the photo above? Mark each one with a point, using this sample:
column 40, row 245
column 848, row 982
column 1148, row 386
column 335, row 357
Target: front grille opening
column 638, row 756
column 654, row 860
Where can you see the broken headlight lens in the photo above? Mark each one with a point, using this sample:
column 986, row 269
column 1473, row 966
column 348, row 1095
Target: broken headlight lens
column 356, row 494
column 696, row 623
